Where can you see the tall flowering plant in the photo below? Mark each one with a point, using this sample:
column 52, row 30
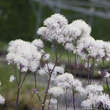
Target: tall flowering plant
column 26, row 56
column 30, row 57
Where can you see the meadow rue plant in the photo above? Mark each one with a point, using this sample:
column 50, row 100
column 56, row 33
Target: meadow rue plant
column 67, row 81
column 53, row 101
column 83, row 26
column 76, row 30
column 49, row 67
column 53, row 28
column 26, row 56
column 75, row 37
column 56, row 91
column 100, row 49
column 46, row 57
column 38, row 43
column 107, row 75
column 69, row 47
column 50, row 70
column 104, row 101
column 77, row 85
column 95, row 97
column 97, row 101
column 86, row 47
column 71, row 32
column 104, row 49
column 94, row 89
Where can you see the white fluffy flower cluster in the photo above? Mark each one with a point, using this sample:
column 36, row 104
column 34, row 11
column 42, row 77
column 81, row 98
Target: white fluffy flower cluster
column 69, row 47
column 38, row 43
column 53, row 28
column 96, row 97
column 64, row 82
column 50, row 67
column 71, row 32
column 53, row 101
column 94, row 89
column 86, row 47
column 57, row 29
column 67, row 81
column 106, row 48
column 104, row 99
column 75, row 31
column 103, row 50
column 56, row 91
column 26, row 55
column 83, row 26
column 95, row 101
column 99, row 46
column 106, row 74
column 77, row 86
column 89, row 47
column 46, row 57
column 75, row 37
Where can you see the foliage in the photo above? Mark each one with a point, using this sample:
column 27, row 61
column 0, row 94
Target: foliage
column 17, row 20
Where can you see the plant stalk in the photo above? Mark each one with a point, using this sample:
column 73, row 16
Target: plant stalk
column 74, row 101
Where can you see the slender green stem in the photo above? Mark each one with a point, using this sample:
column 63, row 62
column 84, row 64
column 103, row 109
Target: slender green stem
column 49, row 103
column 66, row 99
column 57, row 103
column 20, row 83
column 107, row 85
column 18, row 91
column 74, row 101
column 49, row 80
column 35, row 81
column 88, row 71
